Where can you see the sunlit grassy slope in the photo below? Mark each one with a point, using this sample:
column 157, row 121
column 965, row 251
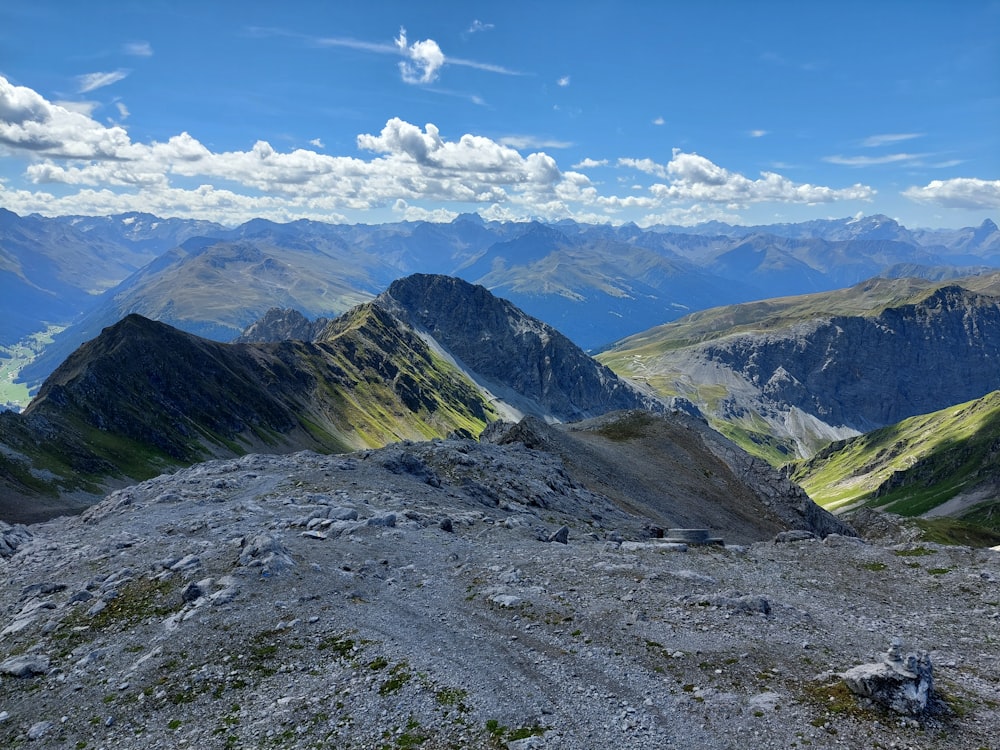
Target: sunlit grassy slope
column 916, row 465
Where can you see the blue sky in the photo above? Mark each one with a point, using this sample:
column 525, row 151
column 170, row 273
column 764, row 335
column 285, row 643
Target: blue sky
column 653, row 112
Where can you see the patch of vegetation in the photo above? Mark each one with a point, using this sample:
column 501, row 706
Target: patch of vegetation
column 874, row 566
column 137, row 601
column 914, row 552
column 452, row 698
column 399, row 675
column 630, row 426
column 978, row 528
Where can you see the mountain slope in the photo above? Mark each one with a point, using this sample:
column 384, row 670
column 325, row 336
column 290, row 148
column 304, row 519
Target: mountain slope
column 510, row 352
column 430, row 357
column 943, row 463
column 784, row 377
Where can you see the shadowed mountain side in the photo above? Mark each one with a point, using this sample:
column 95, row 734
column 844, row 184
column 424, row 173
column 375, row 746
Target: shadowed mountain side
column 143, row 397
column 510, row 350
column 676, row 471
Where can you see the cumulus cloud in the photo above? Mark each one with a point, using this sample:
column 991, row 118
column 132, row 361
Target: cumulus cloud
column 959, row 192
column 425, row 58
column 417, row 171
column 644, row 165
column 691, row 177
column 318, row 143
column 659, row 121
column 564, row 81
column 91, row 81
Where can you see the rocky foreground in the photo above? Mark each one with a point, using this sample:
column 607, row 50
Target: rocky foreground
column 464, row 595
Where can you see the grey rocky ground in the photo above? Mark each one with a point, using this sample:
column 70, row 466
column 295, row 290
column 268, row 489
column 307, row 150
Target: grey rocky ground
column 408, row 597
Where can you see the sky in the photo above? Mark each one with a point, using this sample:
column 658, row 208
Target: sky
column 653, row 111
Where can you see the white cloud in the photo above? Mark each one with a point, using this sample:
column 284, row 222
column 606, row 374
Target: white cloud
column 757, row 133
column 644, row 165
column 91, row 81
column 416, row 213
column 478, row 25
column 74, row 164
column 317, row 143
column 959, row 192
column 589, row 163
column 694, row 178
column 659, row 121
column 564, row 81
column 122, row 110
column 875, row 141
column 530, row 141
column 868, row 161
column 425, row 59
column 138, row 49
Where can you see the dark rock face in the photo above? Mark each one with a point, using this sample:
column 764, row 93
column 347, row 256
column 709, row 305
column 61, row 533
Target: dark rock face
column 865, row 372
column 282, row 325
column 508, row 348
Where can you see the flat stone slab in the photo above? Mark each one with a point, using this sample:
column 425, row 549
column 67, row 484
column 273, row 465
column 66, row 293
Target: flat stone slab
column 691, row 536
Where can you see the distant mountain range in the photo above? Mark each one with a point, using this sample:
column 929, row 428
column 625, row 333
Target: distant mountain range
column 595, row 283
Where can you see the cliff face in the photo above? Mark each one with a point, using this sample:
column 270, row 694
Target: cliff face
column 867, row 372
column 509, row 350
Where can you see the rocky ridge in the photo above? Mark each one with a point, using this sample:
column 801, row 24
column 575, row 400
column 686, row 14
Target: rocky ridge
column 411, row 597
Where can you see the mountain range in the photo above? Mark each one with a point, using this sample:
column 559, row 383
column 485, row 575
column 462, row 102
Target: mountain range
column 597, row 284
column 143, row 397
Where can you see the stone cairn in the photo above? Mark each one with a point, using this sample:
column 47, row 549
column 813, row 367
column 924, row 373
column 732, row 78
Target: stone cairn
column 904, row 684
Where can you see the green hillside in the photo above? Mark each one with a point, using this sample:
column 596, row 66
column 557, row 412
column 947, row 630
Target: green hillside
column 917, row 465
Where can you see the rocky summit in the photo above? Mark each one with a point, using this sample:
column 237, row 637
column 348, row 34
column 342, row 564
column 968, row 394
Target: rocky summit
column 465, row 594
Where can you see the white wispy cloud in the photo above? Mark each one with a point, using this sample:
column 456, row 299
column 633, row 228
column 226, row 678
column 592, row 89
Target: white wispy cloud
column 122, row 110
column 531, row 141
column 477, row 26
column 959, row 192
column 659, row 121
column 91, row 81
column 590, row 163
column 876, row 141
column 564, row 81
column 869, row 161
column 317, row 143
column 757, row 133
column 138, row 49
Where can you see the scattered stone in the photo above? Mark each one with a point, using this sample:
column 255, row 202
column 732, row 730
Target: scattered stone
column 39, row 730
column 795, row 535
column 446, row 524
column 902, row 684
column 561, row 536
column 26, row 665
